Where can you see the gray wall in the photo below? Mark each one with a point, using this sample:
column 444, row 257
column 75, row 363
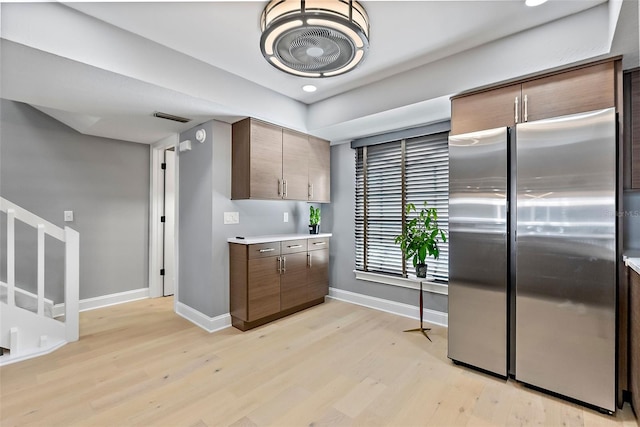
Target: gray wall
column 205, row 185
column 47, row 168
column 339, row 218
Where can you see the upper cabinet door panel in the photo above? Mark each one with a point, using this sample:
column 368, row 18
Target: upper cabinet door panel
column 585, row 89
column 319, row 170
column 266, row 161
column 294, row 164
column 634, row 128
column 485, row 110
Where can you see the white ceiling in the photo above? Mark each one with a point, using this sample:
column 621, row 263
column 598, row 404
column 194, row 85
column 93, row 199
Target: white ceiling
column 104, row 68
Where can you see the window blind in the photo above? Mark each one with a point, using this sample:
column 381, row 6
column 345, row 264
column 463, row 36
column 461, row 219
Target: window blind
column 387, row 176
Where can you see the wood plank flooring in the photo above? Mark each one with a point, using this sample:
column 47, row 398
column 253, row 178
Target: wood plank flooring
column 139, row 364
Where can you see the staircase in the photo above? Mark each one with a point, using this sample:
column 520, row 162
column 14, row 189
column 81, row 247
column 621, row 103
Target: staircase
column 27, row 328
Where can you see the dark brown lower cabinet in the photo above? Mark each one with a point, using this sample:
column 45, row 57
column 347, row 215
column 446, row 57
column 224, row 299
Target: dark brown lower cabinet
column 634, row 340
column 271, row 280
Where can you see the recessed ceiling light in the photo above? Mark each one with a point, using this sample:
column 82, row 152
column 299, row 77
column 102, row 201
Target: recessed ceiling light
column 533, row 3
column 309, row 88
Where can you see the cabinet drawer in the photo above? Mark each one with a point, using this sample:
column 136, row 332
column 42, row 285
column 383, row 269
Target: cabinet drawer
column 318, row 243
column 294, row 246
column 261, row 250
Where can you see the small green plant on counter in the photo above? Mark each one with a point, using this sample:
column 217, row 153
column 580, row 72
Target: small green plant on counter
column 314, row 215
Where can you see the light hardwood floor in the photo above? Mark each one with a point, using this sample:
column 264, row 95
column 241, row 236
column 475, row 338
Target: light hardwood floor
column 334, row 364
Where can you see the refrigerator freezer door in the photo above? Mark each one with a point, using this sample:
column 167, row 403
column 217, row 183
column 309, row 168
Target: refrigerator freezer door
column 478, row 249
column 565, row 262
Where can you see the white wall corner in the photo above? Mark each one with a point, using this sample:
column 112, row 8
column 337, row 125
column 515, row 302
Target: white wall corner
column 209, row 324
column 105, row 300
column 393, row 307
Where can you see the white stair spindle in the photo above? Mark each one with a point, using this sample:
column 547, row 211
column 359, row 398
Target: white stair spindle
column 71, row 283
column 14, row 343
column 41, row 269
column 11, row 257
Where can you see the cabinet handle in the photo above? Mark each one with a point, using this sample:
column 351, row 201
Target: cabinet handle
column 266, row 250
column 280, row 265
column 311, row 190
column 284, row 185
column 294, row 246
column 309, row 259
column 526, row 109
column 284, row 264
column 516, row 110
column 279, row 188
column 319, row 243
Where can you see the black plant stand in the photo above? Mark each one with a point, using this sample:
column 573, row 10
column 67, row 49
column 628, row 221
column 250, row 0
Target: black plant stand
column 421, row 328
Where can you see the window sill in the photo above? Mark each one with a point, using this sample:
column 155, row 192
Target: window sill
column 411, row 282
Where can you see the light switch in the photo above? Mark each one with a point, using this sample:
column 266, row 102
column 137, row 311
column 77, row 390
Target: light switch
column 286, row 217
column 231, row 217
column 68, row 216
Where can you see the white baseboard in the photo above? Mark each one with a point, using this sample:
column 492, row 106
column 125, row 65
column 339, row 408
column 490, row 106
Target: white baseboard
column 8, row 359
column 209, row 324
column 105, row 300
column 405, row 310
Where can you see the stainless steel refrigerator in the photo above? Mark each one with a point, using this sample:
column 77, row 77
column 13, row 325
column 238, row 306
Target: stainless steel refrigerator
column 532, row 288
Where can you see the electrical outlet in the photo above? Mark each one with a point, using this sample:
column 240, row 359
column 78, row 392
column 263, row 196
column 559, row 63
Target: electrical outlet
column 231, row 217
column 286, row 217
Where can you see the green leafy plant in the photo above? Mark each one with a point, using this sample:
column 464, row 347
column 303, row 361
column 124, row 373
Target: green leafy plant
column 314, row 215
column 421, row 234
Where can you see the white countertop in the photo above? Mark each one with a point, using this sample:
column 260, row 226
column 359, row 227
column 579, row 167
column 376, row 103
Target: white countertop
column 632, row 260
column 250, row 240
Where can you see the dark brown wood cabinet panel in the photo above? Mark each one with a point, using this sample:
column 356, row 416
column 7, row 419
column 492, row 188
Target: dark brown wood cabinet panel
column 262, row 250
column 238, row 275
column 293, row 281
column 485, row 110
column 634, row 115
column 256, row 160
column 295, row 167
column 634, row 340
column 318, row 275
column 577, row 91
column 266, row 161
column 270, row 162
column 294, row 246
column 287, row 276
column 319, row 170
column 263, row 288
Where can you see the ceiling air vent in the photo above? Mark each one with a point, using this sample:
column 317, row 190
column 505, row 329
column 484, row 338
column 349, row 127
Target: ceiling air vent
column 171, row 117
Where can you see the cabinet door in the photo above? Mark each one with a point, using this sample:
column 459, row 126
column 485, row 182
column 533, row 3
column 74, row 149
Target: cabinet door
column 266, row 161
column 634, row 115
column 318, row 274
column 485, row 110
column 319, row 170
column 585, row 89
column 293, row 281
column 634, row 339
column 263, row 288
column 294, row 165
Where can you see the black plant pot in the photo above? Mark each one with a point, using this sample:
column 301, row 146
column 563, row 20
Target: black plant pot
column 421, row 271
column 314, row 229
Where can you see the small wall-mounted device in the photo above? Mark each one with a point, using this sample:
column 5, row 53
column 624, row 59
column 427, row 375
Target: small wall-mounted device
column 201, row 135
column 68, row 216
column 185, row 145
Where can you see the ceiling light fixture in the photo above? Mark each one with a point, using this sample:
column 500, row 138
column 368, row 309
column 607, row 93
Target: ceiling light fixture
column 309, row 88
column 533, row 3
column 314, row 38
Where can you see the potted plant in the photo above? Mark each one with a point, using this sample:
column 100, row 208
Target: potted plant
column 314, row 220
column 420, row 237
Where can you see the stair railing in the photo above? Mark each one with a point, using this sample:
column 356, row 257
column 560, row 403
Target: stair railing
column 71, row 240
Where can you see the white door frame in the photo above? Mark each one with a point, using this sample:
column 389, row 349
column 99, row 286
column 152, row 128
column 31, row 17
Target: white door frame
column 155, row 212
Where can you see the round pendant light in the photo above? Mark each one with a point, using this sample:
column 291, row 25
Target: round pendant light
column 314, row 38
